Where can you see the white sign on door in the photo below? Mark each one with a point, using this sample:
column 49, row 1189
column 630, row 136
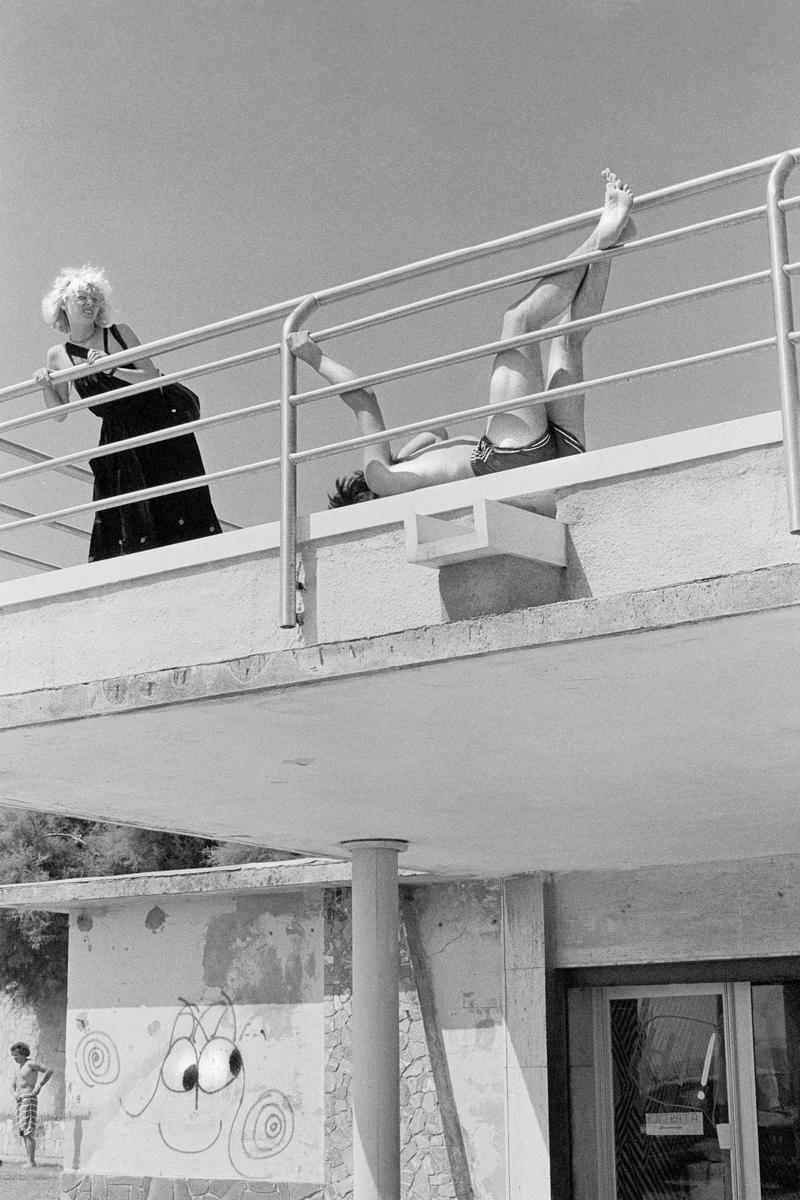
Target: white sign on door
column 674, row 1124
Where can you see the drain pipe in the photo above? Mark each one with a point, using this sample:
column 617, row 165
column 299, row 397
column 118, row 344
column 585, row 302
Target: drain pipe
column 288, row 552
column 784, row 326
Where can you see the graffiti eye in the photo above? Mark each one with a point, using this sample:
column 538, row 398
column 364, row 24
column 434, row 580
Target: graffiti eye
column 179, row 1070
column 220, row 1063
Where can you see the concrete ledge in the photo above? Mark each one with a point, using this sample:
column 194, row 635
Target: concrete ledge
column 568, row 621
column 68, row 895
column 528, row 487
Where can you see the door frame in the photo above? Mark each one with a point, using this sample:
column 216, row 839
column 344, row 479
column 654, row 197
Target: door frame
column 737, row 1018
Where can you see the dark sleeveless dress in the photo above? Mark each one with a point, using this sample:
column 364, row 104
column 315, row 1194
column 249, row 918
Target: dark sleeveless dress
column 145, row 524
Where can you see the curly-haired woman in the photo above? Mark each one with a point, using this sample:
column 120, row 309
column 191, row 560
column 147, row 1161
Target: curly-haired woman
column 78, row 305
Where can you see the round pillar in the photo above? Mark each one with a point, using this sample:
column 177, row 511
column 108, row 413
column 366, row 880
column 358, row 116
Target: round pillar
column 376, row 1057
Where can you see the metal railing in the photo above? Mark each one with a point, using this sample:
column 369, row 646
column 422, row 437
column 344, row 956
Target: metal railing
column 295, row 312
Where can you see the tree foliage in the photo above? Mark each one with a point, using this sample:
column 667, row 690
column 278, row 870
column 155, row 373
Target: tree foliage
column 229, row 854
column 35, row 847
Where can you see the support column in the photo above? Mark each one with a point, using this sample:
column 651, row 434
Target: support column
column 526, row 1039
column 376, row 1054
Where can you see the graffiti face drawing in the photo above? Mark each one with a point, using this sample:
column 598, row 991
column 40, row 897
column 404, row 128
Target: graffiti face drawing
column 201, row 1088
column 202, row 1060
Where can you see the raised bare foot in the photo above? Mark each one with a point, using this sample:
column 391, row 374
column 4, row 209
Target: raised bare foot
column 616, row 213
column 303, row 346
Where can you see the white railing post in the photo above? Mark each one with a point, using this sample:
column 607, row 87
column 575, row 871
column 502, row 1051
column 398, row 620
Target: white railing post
column 784, row 324
column 288, row 519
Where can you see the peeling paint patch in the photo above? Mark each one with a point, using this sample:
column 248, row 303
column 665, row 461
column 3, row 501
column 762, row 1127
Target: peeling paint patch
column 84, row 922
column 260, row 952
column 155, row 919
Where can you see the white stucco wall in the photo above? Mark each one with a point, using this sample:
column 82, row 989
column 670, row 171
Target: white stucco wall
column 195, row 1039
column 690, row 521
column 461, row 928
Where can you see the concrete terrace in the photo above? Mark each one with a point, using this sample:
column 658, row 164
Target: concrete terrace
column 503, row 716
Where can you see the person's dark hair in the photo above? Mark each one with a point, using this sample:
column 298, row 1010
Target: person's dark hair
column 351, row 489
column 23, row 1047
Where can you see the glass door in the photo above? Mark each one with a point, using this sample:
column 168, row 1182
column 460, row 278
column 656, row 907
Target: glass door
column 666, row 1108
column 776, row 1055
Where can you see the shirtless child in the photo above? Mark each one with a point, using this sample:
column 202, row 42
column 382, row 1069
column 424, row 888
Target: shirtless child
column 530, row 434
column 25, row 1088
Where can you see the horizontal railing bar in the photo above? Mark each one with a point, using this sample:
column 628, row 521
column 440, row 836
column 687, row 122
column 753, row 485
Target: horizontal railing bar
column 132, row 389
column 142, row 439
column 147, row 385
column 461, row 293
column 503, row 281
column 792, row 268
column 59, row 525
column 702, row 183
column 459, row 356
column 28, row 562
column 163, row 489
column 354, row 443
column 653, row 199
column 15, row 450
column 534, row 398
column 163, row 346
column 539, row 335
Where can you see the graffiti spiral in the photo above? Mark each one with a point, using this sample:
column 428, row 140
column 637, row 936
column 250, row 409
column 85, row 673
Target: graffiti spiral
column 268, row 1126
column 97, row 1060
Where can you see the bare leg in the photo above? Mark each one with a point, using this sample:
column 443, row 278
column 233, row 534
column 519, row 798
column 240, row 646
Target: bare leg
column 518, row 372
column 30, row 1148
column 565, row 364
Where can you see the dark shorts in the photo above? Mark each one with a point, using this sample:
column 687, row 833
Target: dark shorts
column 555, row 442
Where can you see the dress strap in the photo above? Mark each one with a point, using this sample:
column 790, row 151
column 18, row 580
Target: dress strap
column 117, row 335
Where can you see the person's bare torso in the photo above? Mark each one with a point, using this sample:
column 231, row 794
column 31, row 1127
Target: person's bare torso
column 25, row 1080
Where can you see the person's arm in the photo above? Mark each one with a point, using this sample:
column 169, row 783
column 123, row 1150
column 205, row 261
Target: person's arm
column 46, row 1072
column 55, row 395
column 362, row 401
column 428, row 437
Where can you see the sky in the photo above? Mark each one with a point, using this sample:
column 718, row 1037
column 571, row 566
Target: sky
column 217, row 156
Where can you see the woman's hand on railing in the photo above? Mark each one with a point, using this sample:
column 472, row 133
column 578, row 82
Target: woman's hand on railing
column 52, row 397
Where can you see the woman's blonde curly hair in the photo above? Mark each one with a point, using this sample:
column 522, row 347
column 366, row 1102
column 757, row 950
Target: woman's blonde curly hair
column 71, row 279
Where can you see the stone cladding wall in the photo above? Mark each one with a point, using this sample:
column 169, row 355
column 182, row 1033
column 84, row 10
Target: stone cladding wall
column 128, row 1187
column 424, row 1160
